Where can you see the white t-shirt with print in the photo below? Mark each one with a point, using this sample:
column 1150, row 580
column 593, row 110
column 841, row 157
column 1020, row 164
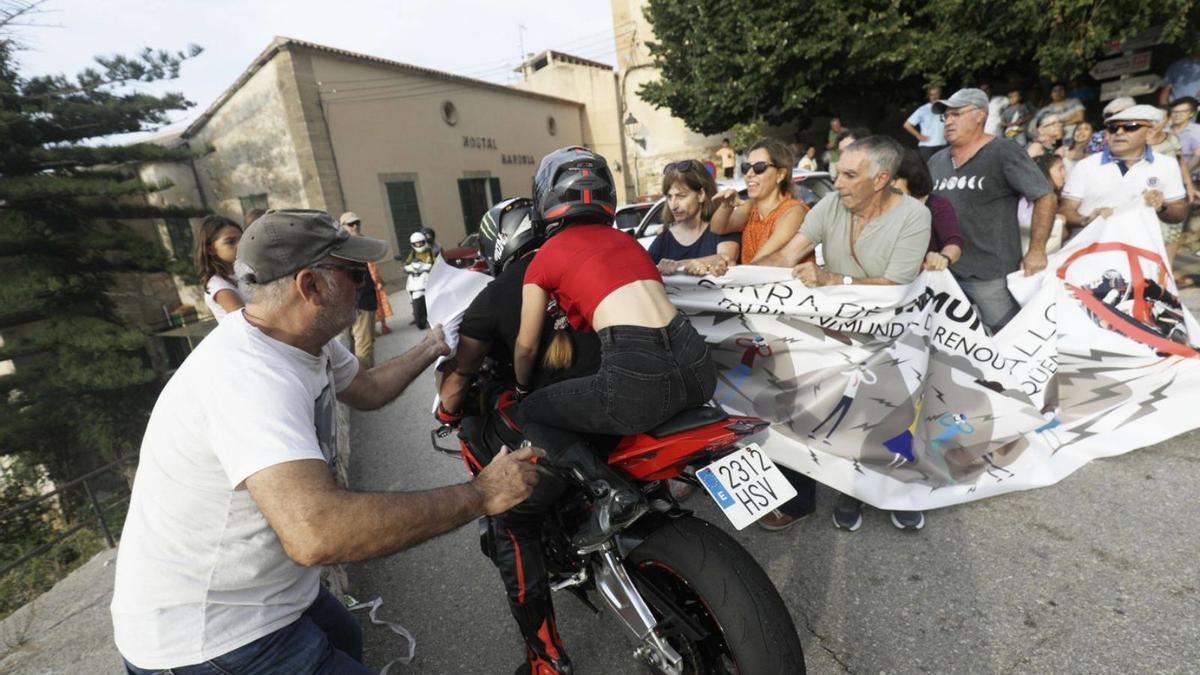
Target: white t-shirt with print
column 199, row 570
column 1096, row 181
column 215, row 285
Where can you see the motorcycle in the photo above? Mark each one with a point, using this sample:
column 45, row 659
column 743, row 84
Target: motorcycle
column 695, row 601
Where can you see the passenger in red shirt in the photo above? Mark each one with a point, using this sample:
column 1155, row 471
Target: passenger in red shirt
column 653, row 363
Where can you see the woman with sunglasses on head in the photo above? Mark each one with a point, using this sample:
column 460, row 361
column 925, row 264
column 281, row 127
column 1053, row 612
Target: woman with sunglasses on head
column 688, row 245
column 653, row 363
column 773, row 215
column 216, row 249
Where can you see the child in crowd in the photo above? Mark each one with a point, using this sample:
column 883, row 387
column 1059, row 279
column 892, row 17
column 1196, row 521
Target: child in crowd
column 216, row 249
column 1054, row 169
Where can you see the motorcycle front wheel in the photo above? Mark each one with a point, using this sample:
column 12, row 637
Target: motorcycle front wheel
column 692, row 567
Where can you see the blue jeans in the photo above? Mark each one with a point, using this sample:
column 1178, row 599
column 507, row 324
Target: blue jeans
column 991, row 297
column 326, row 639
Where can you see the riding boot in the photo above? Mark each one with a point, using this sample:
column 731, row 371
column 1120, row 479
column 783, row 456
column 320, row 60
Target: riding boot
column 615, row 504
column 544, row 653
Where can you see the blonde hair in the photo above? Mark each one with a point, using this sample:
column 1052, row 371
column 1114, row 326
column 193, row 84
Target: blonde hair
column 560, row 352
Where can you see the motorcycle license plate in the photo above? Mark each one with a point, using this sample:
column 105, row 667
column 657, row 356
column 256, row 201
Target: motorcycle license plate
column 746, row 485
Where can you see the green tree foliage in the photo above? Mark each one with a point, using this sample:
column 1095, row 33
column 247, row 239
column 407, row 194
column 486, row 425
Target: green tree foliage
column 728, row 61
column 82, row 385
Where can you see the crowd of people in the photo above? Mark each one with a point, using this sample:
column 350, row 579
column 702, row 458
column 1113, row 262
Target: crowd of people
column 227, row 522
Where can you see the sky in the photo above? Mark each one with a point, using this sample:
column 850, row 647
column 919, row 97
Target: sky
column 479, row 38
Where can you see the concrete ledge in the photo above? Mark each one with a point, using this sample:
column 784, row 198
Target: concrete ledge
column 68, row 629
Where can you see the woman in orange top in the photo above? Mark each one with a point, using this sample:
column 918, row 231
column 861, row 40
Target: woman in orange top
column 772, row 216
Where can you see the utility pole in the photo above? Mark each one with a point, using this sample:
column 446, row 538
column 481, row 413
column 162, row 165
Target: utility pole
column 521, row 45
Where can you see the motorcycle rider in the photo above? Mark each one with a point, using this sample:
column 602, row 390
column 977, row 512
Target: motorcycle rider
column 417, row 264
column 507, row 242
column 653, row 362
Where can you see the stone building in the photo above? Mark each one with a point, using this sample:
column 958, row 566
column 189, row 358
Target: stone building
column 405, row 147
column 309, row 126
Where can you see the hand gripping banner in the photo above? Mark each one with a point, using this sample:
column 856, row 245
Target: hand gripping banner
column 898, row 395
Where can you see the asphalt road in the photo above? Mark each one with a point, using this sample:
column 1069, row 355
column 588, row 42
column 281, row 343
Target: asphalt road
column 1098, row 574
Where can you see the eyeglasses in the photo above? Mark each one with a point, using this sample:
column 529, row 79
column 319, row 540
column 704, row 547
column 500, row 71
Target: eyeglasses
column 1182, row 111
column 759, row 167
column 685, row 165
column 358, row 275
column 1128, row 127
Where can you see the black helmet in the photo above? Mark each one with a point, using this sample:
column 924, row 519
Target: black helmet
column 573, row 185
column 506, row 232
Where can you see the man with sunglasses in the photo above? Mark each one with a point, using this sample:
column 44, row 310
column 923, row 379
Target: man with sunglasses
column 1126, row 172
column 235, row 507
column 985, row 177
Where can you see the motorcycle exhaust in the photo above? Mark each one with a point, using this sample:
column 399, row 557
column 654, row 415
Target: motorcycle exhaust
column 618, row 591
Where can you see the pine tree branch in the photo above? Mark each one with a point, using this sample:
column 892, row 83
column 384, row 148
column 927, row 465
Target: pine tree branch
column 84, row 156
column 148, row 66
column 23, row 189
column 132, row 211
column 13, row 11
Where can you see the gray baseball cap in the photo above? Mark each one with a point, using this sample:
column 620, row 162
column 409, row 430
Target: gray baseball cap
column 284, row 241
column 961, row 99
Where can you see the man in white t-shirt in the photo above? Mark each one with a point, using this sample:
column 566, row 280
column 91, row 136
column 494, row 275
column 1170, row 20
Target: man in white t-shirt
column 1125, row 172
column 234, row 506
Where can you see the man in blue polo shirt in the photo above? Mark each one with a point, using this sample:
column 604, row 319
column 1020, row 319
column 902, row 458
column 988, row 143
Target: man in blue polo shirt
column 927, row 126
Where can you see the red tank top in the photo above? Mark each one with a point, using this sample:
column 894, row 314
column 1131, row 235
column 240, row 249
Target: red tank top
column 582, row 264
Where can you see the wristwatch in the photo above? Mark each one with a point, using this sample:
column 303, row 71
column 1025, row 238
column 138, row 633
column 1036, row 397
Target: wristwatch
column 847, row 280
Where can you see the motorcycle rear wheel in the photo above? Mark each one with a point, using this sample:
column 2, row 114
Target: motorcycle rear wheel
column 720, row 587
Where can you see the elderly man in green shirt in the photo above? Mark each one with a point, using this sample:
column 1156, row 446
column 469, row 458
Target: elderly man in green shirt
column 872, row 235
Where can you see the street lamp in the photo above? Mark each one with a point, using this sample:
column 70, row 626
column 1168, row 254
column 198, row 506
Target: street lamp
column 631, row 127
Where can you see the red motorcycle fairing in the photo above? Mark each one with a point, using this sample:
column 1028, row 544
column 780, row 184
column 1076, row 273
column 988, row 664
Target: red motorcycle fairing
column 645, row 458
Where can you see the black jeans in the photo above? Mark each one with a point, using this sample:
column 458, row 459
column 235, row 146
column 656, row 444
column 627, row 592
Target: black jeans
column 805, row 501
column 646, row 377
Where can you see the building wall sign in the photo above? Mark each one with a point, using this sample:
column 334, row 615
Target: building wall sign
column 479, row 142
column 516, row 159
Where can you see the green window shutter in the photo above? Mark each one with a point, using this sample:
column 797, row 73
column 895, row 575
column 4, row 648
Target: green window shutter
column 473, row 193
column 406, row 212
column 468, row 208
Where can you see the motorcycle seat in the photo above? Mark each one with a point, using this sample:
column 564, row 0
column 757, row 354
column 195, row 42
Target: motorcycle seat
column 692, row 418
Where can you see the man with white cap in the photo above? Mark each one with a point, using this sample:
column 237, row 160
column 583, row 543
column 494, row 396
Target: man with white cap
column 1100, row 137
column 1125, row 172
column 234, row 507
column 985, row 177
